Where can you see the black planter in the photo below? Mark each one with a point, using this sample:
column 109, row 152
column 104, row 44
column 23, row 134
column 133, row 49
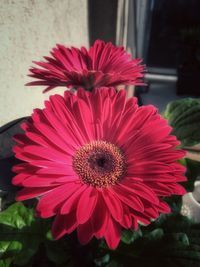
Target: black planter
column 7, row 160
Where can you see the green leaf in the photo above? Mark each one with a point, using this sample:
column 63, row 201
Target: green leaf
column 5, row 263
column 17, row 216
column 17, row 228
column 101, row 261
column 58, row 252
column 179, row 239
column 129, row 236
column 156, row 234
column 28, row 250
column 49, row 236
column 184, row 116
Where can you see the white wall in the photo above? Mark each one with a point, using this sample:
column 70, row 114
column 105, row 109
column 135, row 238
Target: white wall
column 28, row 30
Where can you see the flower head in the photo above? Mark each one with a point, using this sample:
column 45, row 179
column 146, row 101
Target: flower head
column 102, row 65
column 98, row 163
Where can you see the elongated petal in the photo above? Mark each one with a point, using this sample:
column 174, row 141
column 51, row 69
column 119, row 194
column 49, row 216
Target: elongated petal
column 102, row 65
column 112, row 235
column 64, row 224
column 85, row 232
column 113, row 204
column 86, row 204
column 47, row 205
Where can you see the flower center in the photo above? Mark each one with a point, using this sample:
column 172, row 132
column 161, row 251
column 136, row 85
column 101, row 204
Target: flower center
column 99, row 163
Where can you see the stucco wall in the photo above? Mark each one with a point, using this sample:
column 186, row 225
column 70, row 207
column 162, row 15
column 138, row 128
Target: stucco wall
column 28, row 30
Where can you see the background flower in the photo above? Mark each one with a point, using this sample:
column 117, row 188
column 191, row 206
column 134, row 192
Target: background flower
column 99, row 163
column 102, row 65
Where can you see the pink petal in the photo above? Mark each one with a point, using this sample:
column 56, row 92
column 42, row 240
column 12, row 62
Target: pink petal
column 73, row 200
column 126, row 218
column 114, row 204
column 19, row 178
column 27, row 193
column 139, row 217
column 140, row 190
column 46, row 153
column 59, row 170
column 85, row 232
column 100, row 219
column 64, row 224
column 86, row 204
column 152, row 212
column 132, row 201
column 146, row 168
column 113, row 234
column 48, row 204
column 164, row 207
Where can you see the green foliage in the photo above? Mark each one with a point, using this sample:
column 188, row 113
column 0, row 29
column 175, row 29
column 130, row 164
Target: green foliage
column 19, row 235
column 172, row 240
column 101, row 261
column 184, row 116
column 23, row 236
column 58, row 251
column 5, row 263
column 129, row 236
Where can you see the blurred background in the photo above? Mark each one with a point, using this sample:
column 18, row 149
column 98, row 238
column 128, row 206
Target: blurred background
column 29, row 29
column 165, row 33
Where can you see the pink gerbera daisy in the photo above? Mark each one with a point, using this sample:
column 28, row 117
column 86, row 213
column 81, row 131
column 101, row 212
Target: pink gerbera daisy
column 102, row 65
column 99, row 163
